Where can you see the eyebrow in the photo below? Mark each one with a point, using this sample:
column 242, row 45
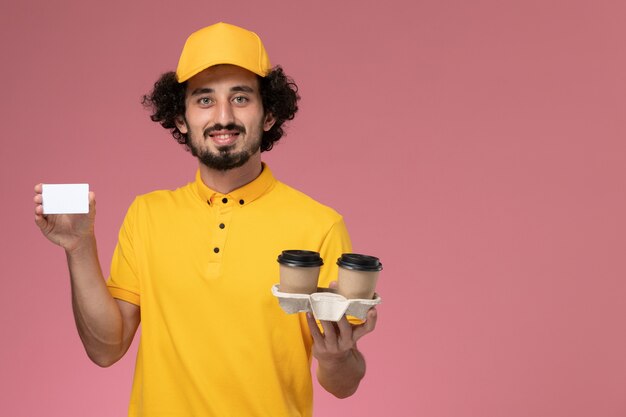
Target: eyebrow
column 237, row 88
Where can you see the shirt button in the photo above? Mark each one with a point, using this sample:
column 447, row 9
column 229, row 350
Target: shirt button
column 222, row 225
column 241, row 202
column 224, row 200
column 216, row 250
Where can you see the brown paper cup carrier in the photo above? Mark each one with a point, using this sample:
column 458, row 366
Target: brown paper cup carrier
column 326, row 303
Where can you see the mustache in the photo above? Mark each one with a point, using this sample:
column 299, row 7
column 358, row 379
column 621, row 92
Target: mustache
column 230, row 126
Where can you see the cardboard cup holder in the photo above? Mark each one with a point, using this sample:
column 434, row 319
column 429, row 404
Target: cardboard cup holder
column 325, row 304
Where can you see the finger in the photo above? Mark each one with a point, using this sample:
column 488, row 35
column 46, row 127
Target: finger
column 345, row 337
column 333, row 285
column 366, row 327
column 38, row 188
column 40, row 220
column 92, row 201
column 317, row 336
column 345, row 329
column 330, row 335
column 38, row 199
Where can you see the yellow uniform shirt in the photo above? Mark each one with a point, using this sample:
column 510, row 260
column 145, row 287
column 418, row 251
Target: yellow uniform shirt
column 200, row 264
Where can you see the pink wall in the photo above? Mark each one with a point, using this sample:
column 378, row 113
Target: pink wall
column 484, row 146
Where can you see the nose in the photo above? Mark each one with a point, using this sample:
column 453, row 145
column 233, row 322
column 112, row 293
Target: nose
column 224, row 114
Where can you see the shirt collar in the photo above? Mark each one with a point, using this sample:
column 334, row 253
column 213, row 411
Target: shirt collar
column 242, row 195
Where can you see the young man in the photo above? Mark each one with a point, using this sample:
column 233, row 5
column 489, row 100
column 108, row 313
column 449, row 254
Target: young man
column 196, row 265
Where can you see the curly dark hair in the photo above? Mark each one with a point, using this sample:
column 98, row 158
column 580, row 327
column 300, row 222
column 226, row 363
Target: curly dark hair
column 278, row 92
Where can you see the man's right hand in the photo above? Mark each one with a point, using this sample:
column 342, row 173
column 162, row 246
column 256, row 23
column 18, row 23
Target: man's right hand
column 106, row 326
column 66, row 230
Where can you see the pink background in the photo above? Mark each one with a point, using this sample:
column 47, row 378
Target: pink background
column 481, row 144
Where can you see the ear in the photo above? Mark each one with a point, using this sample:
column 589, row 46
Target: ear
column 268, row 122
column 181, row 124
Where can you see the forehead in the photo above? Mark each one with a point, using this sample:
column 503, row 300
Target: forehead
column 223, row 77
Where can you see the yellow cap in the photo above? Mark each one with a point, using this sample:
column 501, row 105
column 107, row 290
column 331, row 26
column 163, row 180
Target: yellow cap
column 222, row 43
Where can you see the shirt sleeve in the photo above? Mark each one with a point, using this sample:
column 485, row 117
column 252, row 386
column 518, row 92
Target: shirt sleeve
column 123, row 282
column 336, row 242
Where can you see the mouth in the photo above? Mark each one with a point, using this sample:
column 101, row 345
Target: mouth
column 223, row 137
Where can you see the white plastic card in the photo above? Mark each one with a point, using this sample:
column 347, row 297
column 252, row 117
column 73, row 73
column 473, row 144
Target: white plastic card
column 65, row 198
column 325, row 304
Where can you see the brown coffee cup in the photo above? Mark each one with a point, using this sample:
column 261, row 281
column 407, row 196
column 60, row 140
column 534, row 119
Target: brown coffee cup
column 299, row 271
column 358, row 275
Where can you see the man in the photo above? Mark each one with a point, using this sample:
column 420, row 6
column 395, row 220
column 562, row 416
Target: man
column 196, row 265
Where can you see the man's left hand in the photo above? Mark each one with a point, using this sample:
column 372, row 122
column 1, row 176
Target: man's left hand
column 338, row 339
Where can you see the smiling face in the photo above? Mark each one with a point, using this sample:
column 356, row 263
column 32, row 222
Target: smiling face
column 224, row 117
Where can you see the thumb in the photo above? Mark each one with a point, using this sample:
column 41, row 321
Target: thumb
column 367, row 327
column 92, row 201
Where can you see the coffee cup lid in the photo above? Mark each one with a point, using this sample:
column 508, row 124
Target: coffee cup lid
column 359, row 262
column 303, row 258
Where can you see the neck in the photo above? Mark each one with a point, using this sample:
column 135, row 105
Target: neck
column 227, row 181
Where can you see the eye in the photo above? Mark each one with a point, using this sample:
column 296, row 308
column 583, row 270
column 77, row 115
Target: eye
column 204, row 101
column 241, row 99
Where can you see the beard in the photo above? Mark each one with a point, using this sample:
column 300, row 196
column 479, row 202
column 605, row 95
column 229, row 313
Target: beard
column 226, row 157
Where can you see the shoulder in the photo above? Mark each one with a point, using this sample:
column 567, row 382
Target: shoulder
column 298, row 202
column 159, row 200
